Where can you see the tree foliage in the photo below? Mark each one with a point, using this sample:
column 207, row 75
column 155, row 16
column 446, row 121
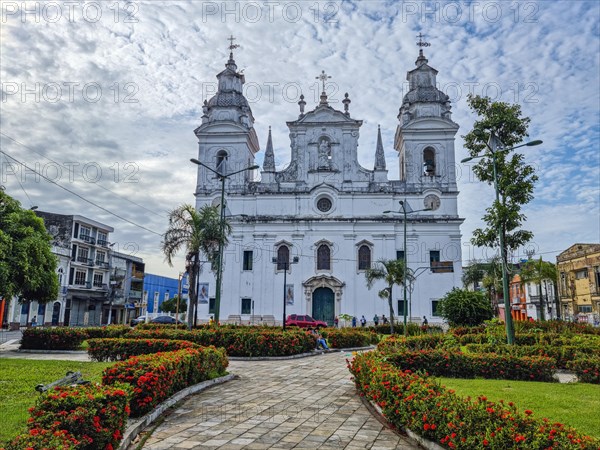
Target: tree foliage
column 391, row 272
column 463, row 307
column 198, row 232
column 27, row 265
column 170, row 305
column 516, row 179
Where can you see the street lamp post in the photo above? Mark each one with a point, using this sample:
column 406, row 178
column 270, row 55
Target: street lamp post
column 221, row 177
column 286, row 267
column 493, row 140
column 405, row 213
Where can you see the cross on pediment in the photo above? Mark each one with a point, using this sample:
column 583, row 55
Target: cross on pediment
column 323, row 77
column 421, row 43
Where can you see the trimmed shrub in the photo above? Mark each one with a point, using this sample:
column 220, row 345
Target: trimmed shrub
column 60, row 338
column 399, row 343
column 156, row 377
column 412, row 329
column 587, row 369
column 121, row 349
column 438, row 414
column 348, row 337
column 464, row 365
column 87, row 417
column 110, row 331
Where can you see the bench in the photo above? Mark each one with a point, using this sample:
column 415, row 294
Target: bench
column 70, row 379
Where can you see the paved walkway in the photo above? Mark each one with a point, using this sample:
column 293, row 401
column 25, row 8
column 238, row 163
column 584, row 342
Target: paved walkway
column 306, row 403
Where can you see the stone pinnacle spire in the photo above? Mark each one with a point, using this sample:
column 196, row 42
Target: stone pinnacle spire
column 269, row 161
column 379, row 154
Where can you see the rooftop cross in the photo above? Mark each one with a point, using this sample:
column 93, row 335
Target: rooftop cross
column 232, row 46
column 421, row 43
column 323, row 77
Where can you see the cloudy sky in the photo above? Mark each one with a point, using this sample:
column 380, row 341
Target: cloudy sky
column 102, row 97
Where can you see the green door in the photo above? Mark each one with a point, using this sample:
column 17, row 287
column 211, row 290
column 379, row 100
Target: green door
column 323, row 306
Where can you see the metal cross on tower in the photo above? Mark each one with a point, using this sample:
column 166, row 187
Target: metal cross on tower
column 232, row 46
column 421, row 43
column 323, row 77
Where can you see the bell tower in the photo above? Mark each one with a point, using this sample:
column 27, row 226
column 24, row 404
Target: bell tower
column 425, row 135
column 227, row 141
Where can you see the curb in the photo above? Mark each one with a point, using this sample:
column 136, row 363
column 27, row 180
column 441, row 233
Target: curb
column 137, row 425
column 300, row 355
column 46, row 352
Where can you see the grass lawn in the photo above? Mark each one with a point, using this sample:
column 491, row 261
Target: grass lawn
column 18, row 379
column 574, row 404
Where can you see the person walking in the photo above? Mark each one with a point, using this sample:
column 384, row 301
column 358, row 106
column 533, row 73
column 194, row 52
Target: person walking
column 363, row 321
column 353, row 322
column 425, row 321
column 376, row 320
column 384, row 319
column 336, row 321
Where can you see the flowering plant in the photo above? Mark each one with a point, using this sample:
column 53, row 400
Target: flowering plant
column 121, row 349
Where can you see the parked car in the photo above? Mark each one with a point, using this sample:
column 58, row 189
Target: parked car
column 296, row 320
column 137, row 320
column 166, row 320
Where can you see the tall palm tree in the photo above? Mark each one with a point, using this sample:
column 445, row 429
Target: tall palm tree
column 199, row 233
column 536, row 272
column 392, row 272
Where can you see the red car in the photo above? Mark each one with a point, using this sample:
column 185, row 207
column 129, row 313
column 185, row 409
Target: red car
column 296, row 320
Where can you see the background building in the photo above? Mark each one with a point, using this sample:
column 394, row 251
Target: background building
column 157, row 289
column 579, row 282
column 327, row 210
column 125, row 291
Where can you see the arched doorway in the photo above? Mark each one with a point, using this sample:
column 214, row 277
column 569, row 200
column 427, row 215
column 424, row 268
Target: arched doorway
column 55, row 313
column 323, row 307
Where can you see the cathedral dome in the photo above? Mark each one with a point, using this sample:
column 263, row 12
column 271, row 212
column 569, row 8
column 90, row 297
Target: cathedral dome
column 228, row 99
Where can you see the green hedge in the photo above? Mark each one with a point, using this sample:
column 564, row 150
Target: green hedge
column 121, row 349
column 60, row 338
column 464, row 365
column 88, row 417
column 419, row 403
column 348, row 337
column 156, row 377
column 587, row 369
column 395, row 343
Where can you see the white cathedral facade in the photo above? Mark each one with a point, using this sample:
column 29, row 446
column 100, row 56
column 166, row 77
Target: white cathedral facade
column 323, row 215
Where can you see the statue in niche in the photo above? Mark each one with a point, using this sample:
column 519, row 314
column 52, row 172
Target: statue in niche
column 324, row 154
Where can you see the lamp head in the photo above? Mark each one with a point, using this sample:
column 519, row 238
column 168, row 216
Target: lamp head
column 253, row 167
column 464, row 160
column 533, row 143
column 387, row 211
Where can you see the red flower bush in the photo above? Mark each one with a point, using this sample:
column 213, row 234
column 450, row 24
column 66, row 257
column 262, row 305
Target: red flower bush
column 587, row 369
column 121, row 349
column 42, row 439
column 158, row 376
column 348, row 337
column 419, row 403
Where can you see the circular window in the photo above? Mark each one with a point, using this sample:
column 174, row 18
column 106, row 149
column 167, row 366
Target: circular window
column 324, row 204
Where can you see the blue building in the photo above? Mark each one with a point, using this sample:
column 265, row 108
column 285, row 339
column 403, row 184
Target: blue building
column 157, row 289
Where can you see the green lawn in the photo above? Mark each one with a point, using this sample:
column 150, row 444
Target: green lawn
column 18, row 379
column 575, row 404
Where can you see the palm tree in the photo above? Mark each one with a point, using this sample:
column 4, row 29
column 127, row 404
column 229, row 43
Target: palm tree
column 392, row 272
column 536, row 272
column 198, row 232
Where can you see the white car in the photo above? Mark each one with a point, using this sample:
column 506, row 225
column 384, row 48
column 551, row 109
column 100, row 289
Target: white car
column 138, row 320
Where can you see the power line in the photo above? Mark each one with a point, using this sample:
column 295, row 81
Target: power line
column 81, row 197
column 99, row 185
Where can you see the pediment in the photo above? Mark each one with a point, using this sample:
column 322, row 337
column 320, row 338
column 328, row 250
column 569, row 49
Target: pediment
column 325, row 114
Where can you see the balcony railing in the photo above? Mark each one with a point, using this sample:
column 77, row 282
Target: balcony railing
column 102, row 264
column 84, row 260
column 102, row 242
column 135, row 294
column 442, row 266
column 87, row 238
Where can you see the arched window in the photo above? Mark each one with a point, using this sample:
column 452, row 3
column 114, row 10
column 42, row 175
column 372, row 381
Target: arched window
column 60, row 276
column 323, row 257
column 222, row 162
column 364, row 257
column 283, row 257
column 429, row 162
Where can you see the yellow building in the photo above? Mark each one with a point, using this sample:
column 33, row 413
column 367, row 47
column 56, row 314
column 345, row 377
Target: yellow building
column 579, row 282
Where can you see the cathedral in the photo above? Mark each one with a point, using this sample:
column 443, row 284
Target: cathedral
column 322, row 217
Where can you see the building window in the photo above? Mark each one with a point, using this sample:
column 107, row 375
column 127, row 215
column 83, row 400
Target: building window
column 80, row 277
column 166, row 296
column 283, row 257
column 60, row 276
column 102, row 238
column 597, row 277
column 401, row 308
column 581, row 274
column 221, row 162
column 100, row 258
column 324, row 204
column 400, row 255
column 585, row 308
column 246, row 306
column 85, row 233
column 429, row 162
column 98, row 279
column 82, row 255
column 41, row 313
column 434, row 308
column 434, row 256
column 211, row 305
column 323, row 257
column 247, row 264
column 364, row 257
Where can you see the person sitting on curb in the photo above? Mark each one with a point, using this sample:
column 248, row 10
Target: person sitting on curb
column 320, row 340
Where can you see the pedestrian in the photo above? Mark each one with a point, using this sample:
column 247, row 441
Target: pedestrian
column 336, row 321
column 363, row 321
column 320, row 340
column 384, row 319
column 376, row 320
column 425, row 321
column 353, row 322
column 34, row 322
column 211, row 321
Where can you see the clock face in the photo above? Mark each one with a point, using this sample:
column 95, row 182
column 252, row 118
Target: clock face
column 432, row 202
